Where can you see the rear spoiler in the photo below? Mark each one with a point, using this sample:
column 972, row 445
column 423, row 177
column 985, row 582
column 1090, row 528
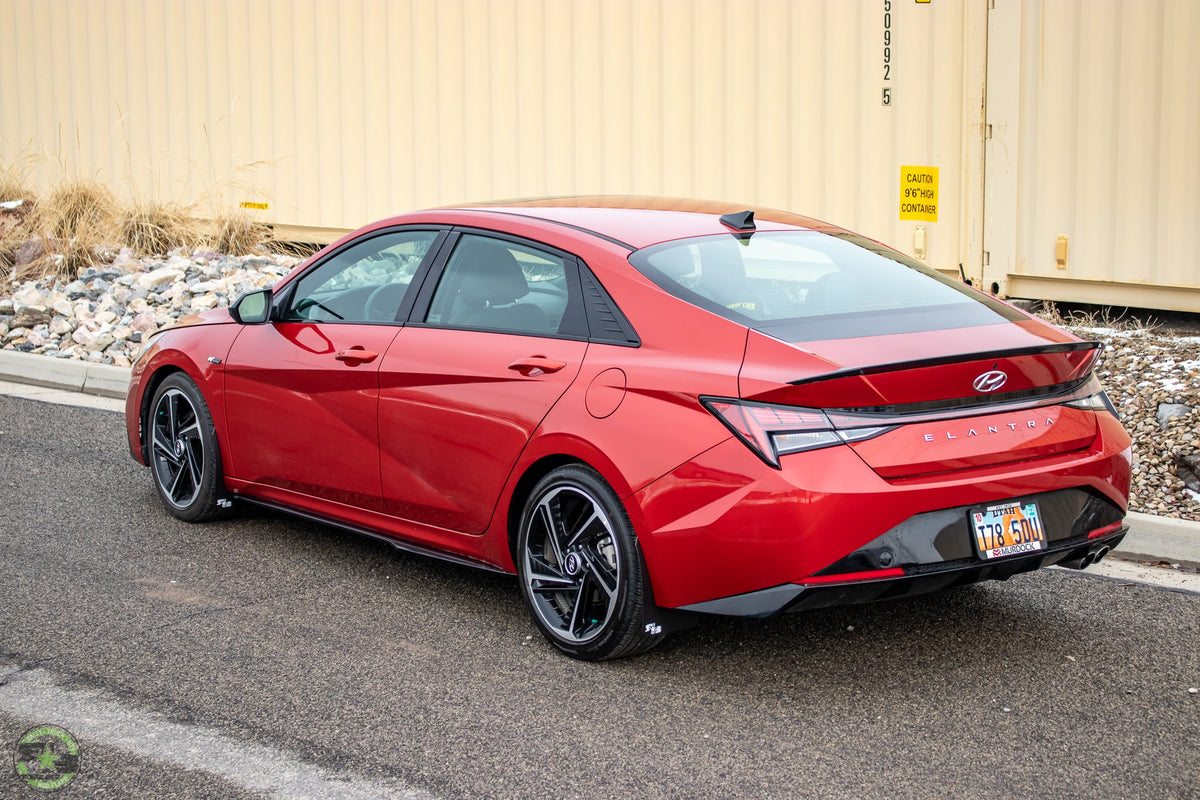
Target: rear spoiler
column 992, row 355
column 965, row 379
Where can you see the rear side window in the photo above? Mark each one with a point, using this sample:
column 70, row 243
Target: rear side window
column 807, row 286
column 499, row 285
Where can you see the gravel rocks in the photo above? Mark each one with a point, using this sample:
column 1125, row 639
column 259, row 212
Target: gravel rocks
column 1152, row 376
column 106, row 313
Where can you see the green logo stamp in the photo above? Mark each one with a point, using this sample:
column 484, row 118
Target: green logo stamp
column 47, row 757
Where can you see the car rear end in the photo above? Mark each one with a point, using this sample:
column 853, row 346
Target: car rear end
column 894, row 432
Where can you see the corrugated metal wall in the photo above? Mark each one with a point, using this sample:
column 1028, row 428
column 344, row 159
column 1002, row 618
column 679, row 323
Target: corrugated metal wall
column 1096, row 137
column 336, row 112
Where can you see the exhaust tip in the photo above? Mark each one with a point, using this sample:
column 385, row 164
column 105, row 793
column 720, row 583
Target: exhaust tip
column 1100, row 553
column 1079, row 562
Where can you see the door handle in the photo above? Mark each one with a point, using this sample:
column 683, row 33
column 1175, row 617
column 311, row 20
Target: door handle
column 356, row 354
column 533, row 366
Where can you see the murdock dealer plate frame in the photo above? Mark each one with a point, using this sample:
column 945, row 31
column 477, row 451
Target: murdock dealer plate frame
column 1008, row 529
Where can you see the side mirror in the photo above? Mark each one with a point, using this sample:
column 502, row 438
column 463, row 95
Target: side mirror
column 252, row 308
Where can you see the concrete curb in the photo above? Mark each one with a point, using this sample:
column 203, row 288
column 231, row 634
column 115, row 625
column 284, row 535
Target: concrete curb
column 1149, row 538
column 1161, row 539
column 64, row 373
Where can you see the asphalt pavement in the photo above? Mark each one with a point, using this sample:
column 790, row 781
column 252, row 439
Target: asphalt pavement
column 266, row 656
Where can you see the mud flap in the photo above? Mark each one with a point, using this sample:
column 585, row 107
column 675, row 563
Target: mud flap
column 660, row 621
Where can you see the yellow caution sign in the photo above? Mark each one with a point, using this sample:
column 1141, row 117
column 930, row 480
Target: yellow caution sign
column 919, row 193
column 258, row 206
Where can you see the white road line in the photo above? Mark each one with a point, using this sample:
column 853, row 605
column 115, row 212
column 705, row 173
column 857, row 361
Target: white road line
column 90, row 716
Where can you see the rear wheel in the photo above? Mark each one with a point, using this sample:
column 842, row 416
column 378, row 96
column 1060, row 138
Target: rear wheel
column 579, row 567
column 185, row 456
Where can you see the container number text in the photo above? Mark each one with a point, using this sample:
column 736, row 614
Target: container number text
column 887, row 50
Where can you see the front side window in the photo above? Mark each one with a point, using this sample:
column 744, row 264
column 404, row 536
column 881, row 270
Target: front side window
column 809, row 286
column 365, row 282
column 495, row 284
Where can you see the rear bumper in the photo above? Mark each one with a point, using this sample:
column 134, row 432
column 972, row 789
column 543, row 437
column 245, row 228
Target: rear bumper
column 725, row 524
column 863, row 588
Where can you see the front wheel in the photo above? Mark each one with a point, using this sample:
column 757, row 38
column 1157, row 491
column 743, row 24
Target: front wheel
column 184, row 454
column 579, row 567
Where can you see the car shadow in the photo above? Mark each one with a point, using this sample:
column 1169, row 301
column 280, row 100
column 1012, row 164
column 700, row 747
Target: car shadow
column 880, row 645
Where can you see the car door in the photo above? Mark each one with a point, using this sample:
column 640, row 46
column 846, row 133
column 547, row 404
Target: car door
column 464, row 387
column 302, row 390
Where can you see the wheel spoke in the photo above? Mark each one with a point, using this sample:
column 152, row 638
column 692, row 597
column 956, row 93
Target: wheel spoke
column 172, row 425
column 195, row 463
column 551, row 591
column 573, row 625
column 539, row 567
column 584, row 527
column 177, row 477
column 547, row 517
column 164, row 449
column 601, row 575
column 557, row 582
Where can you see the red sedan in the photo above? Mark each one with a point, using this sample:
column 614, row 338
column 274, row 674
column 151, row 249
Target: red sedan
column 648, row 410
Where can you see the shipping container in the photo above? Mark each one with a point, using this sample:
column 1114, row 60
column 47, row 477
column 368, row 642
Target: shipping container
column 1040, row 149
column 1092, row 153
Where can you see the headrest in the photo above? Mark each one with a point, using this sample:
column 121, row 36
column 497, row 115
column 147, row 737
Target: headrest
column 491, row 275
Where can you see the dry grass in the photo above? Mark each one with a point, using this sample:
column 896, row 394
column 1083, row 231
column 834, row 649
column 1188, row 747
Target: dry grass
column 14, row 226
column 1083, row 316
column 8, row 253
column 238, row 234
column 79, row 209
column 73, row 220
column 158, row 228
column 1049, row 312
column 13, row 233
column 79, row 223
column 13, row 186
column 300, row 250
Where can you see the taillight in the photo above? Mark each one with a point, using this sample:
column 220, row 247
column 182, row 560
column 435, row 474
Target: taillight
column 771, row 431
column 1094, row 402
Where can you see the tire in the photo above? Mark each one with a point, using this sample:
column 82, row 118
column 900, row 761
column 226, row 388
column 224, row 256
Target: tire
column 185, row 456
column 580, row 568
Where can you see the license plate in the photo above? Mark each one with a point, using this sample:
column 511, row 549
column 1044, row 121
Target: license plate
column 1008, row 529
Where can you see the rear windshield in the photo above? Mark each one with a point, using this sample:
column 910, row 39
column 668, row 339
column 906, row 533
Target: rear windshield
column 808, row 286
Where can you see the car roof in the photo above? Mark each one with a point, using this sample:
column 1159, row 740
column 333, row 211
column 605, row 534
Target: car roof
column 640, row 221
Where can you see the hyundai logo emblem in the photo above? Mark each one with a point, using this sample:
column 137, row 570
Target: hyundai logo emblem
column 990, row 381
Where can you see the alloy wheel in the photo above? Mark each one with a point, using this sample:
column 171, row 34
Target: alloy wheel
column 572, row 567
column 178, row 449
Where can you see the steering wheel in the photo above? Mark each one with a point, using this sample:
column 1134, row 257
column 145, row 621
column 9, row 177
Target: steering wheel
column 384, row 303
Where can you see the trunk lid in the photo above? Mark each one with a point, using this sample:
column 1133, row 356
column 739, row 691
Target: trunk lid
column 927, row 369
column 954, row 399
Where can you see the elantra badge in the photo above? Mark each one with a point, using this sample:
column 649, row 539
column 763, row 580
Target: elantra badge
column 990, row 381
